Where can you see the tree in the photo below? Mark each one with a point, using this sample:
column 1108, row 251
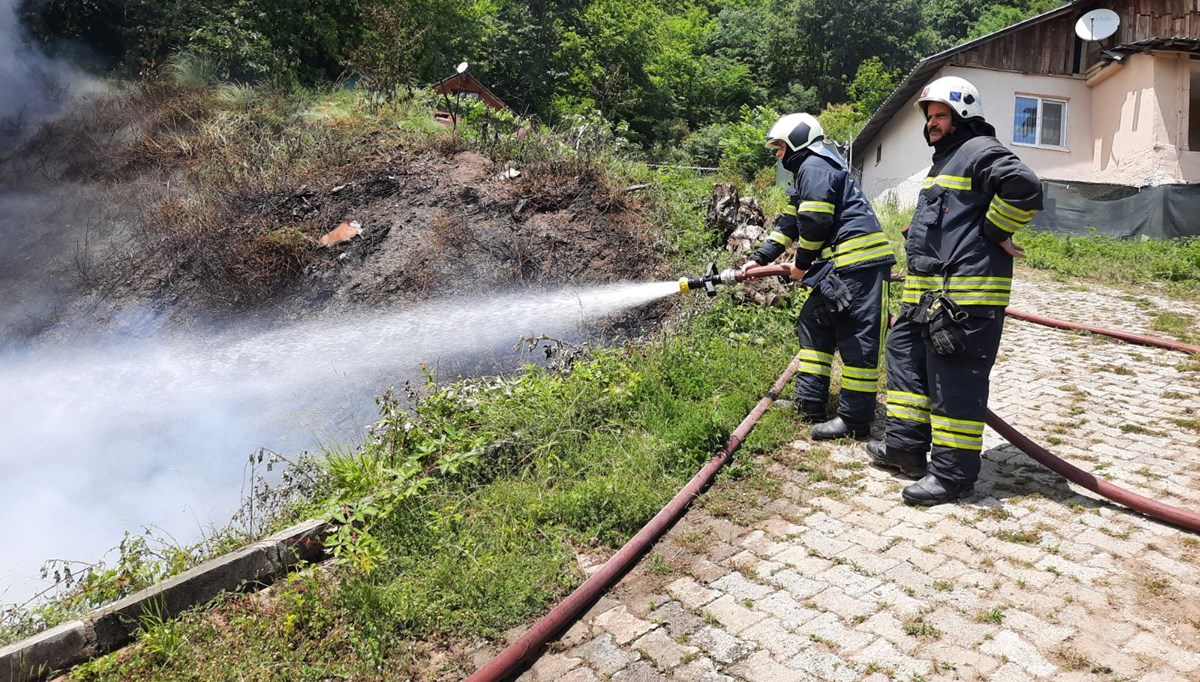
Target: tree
column 872, row 84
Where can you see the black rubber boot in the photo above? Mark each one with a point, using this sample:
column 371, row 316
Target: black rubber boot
column 907, row 464
column 840, row 428
column 811, row 410
column 932, row 490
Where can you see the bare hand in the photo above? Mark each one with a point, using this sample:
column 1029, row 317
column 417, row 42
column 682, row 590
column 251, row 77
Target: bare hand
column 795, row 272
column 1012, row 249
column 747, row 265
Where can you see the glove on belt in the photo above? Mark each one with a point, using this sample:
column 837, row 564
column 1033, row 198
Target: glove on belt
column 942, row 319
column 836, row 292
column 823, row 280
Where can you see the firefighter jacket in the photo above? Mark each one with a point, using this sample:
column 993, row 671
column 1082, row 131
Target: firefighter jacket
column 827, row 217
column 975, row 196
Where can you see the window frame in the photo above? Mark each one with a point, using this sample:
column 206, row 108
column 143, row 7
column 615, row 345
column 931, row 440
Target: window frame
column 1041, row 100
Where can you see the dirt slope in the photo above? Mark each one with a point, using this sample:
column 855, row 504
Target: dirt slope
column 103, row 237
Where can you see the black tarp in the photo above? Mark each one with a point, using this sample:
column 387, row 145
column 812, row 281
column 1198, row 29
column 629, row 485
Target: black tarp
column 1161, row 212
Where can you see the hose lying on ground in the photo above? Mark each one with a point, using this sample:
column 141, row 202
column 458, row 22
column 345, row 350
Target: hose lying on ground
column 1130, row 337
column 570, row 609
column 1163, row 512
column 1157, row 510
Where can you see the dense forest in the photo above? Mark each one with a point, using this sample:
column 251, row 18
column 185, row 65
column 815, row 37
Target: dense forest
column 668, row 73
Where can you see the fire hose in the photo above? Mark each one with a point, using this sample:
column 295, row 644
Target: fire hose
column 529, row 645
column 1114, row 333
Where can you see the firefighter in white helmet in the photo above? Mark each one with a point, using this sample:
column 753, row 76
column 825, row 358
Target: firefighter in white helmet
column 844, row 258
column 960, row 266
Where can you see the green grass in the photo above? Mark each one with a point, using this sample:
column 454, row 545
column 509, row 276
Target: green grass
column 1174, row 262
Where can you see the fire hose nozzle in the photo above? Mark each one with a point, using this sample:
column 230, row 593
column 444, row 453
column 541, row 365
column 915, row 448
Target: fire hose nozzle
column 709, row 280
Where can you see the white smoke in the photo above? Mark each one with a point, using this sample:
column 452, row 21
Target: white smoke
column 34, row 88
column 98, row 441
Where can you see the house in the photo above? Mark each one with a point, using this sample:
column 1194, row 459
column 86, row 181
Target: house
column 1108, row 117
column 461, row 85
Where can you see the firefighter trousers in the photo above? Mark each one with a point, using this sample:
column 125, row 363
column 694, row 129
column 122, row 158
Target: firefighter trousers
column 855, row 333
column 941, row 400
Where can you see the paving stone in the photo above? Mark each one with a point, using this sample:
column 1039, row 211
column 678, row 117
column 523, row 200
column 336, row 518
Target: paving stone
column 964, row 663
column 775, row 636
column 898, row 665
column 678, row 620
column 580, row 675
column 758, row 542
column 824, row 545
column 604, row 655
column 823, row 665
column 639, row 672
column 783, row 605
column 798, row 585
column 699, row 670
column 622, row 625
column 1008, row 645
column 740, row 587
column 762, row 667
column 551, row 668
column 663, row 651
column 720, row 645
column 870, row 562
column 764, row 571
column 848, row 580
column 834, row 600
column 732, row 614
column 691, row 594
column 1157, row 648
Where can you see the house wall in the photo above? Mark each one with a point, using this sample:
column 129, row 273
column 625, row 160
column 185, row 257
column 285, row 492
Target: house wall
column 904, row 161
column 999, row 90
column 1142, row 113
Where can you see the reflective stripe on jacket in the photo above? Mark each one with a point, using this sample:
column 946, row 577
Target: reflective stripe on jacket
column 977, row 198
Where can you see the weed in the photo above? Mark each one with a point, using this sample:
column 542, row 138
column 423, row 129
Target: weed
column 917, row 627
column 657, row 565
column 993, row 615
column 943, row 585
column 1178, row 325
column 1028, row 537
column 1155, row 585
column 1190, row 423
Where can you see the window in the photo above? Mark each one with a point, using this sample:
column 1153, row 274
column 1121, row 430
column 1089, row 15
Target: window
column 878, row 153
column 1040, row 121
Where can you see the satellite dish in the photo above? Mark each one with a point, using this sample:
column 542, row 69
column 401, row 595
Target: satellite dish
column 1097, row 24
column 463, row 66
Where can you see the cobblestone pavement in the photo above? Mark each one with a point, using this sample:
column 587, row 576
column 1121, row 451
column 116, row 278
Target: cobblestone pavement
column 811, row 568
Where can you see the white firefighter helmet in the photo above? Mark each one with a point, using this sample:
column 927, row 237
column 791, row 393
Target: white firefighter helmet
column 954, row 92
column 797, row 131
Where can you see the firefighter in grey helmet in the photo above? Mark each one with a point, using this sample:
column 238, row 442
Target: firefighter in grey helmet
column 844, row 259
column 940, row 352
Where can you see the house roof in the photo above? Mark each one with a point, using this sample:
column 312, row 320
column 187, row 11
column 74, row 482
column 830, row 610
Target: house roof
column 471, row 80
column 916, row 79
